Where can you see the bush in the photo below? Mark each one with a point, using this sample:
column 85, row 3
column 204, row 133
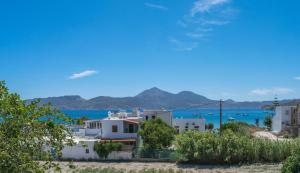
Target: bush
column 268, row 122
column 237, row 127
column 104, row 149
column 209, row 126
column 232, row 148
column 292, row 164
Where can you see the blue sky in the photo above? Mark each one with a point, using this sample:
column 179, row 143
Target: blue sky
column 244, row 50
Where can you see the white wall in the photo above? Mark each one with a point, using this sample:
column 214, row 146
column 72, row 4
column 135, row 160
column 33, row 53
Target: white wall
column 182, row 124
column 93, row 132
column 282, row 118
column 78, row 152
column 107, row 130
column 166, row 116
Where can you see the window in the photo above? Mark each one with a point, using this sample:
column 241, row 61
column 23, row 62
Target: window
column 130, row 128
column 114, row 128
column 87, row 151
column 146, row 117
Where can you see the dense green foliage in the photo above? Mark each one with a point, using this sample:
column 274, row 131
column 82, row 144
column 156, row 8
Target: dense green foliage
column 80, row 121
column 229, row 147
column 26, row 132
column 103, row 149
column 292, row 164
column 209, row 126
column 268, row 122
column 238, row 128
column 156, row 134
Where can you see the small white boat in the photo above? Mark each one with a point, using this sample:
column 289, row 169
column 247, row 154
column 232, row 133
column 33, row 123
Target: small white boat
column 231, row 119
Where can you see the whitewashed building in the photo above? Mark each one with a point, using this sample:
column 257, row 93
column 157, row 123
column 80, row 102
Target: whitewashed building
column 181, row 125
column 165, row 115
column 287, row 118
column 84, row 150
column 121, row 127
column 282, row 118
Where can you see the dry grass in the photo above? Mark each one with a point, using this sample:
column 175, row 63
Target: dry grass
column 138, row 167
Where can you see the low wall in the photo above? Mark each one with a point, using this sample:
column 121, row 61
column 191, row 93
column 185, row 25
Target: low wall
column 80, row 152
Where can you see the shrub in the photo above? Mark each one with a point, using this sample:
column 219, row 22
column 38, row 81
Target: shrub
column 209, row 126
column 240, row 128
column 104, row 149
column 232, row 148
column 292, row 164
column 268, row 122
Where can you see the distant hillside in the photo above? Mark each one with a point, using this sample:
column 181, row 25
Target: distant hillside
column 153, row 98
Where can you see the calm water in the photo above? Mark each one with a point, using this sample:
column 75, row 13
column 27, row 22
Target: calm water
column 210, row 115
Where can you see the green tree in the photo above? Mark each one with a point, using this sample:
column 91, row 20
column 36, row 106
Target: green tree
column 29, row 132
column 209, row 126
column 268, row 122
column 80, row 121
column 156, row 134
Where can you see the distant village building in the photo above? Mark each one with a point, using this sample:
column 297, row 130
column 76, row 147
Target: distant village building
column 83, row 149
column 287, row 118
column 121, row 127
column 165, row 115
column 181, row 125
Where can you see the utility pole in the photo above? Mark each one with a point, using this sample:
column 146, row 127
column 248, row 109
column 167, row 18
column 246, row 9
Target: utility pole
column 221, row 113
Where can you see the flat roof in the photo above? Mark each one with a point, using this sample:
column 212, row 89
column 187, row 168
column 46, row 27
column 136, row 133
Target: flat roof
column 118, row 140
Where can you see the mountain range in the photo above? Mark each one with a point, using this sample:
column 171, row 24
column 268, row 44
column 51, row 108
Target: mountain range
column 153, row 98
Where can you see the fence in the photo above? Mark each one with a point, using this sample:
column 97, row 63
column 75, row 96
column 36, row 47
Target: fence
column 149, row 154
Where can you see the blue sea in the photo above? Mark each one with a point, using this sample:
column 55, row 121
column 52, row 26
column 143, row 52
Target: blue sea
column 210, row 115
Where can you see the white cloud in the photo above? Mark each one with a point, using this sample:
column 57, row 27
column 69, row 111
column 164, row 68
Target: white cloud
column 83, row 74
column 202, row 19
column 271, row 91
column 183, row 46
column 297, row 78
column 203, row 6
column 182, row 24
column 213, row 22
column 156, row 6
column 195, row 35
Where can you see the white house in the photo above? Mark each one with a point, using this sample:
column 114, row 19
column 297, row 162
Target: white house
column 121, row 127
column 181, row 125
column 84, row 150
column 287, row 118
column 118, row 128
column 93, row 128
column 282, row 118
column 165, row 115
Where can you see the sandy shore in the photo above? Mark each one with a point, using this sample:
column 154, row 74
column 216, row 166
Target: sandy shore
column 158, row 165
